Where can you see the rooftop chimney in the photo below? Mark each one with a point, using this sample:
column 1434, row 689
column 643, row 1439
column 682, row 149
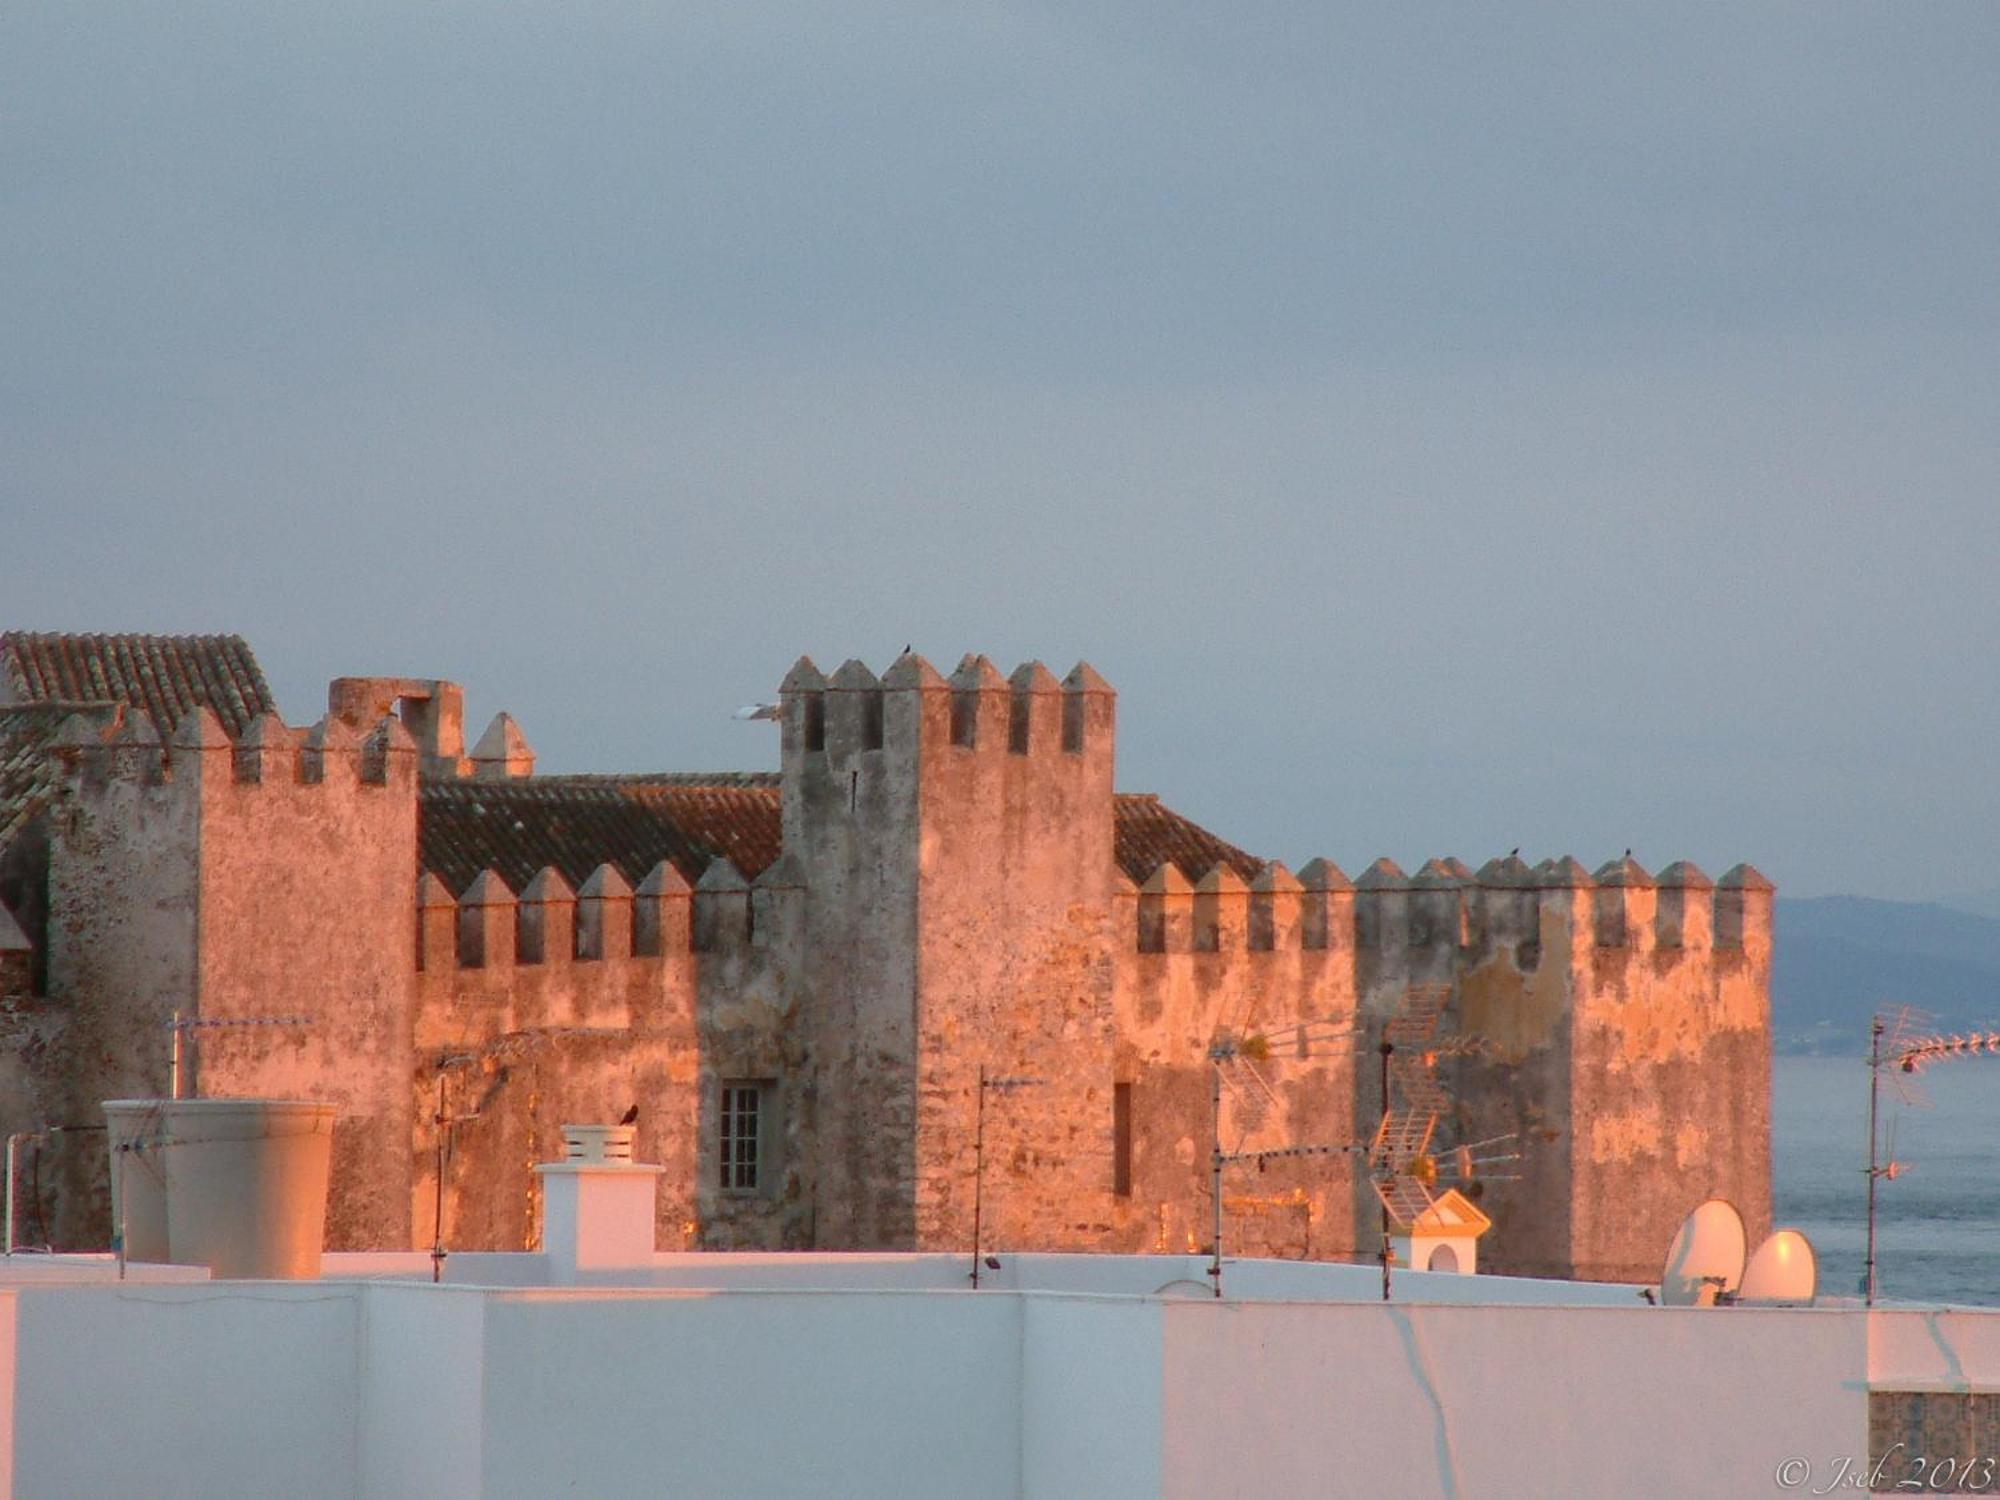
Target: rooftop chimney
column 597, row 1206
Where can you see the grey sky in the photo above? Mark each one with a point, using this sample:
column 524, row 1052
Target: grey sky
column 1449, row 427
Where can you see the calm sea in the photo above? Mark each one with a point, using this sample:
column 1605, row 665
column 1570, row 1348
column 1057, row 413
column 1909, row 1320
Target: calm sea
column 1937, row 1232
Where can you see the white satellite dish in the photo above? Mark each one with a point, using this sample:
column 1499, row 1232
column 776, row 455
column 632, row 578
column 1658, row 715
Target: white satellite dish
column 1706, row 1257
column 1783, row 1273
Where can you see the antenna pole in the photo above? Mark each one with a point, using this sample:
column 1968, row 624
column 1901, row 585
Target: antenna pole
column 437, row 1218
column 12, row 1141
column 978, row 1170
column 1874, row 1091
column 1387, row 1255
column 1215, row 1174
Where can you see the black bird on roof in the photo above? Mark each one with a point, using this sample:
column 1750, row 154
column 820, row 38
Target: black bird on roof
column 631, row 1116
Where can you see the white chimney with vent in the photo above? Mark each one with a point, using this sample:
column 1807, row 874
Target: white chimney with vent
column 597, row 1205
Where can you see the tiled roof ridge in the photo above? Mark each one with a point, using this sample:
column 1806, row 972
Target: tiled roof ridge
column 612, row 779
column 166, row 675
column 574, row 824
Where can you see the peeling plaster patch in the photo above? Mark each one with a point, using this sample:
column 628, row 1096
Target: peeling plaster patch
column 1665, row 1018
column 1516, row 1013
column 1627, row 1136
column 1690, row 1145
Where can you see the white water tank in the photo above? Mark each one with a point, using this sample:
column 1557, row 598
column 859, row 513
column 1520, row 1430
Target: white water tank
column 246, row 1185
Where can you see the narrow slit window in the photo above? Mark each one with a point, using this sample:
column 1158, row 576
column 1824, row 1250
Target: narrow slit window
column 1121, row 1139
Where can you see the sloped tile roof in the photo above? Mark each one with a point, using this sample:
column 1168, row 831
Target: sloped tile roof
column 27, row 768
column 1148, row 834
column 576, row 823
column 166, row 675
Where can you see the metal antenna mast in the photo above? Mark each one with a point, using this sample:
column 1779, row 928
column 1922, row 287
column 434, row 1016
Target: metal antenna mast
column 1905, row 1055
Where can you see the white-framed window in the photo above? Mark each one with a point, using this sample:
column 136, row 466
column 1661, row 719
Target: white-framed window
column 741, row 1123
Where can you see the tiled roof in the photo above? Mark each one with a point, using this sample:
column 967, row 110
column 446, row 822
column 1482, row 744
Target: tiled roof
column 166, row 675
column 27, row 769
column 1148, row 834
column 576, row 823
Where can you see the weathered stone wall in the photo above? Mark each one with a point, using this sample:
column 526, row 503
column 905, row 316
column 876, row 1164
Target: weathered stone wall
column 1015, row 952
column 124, row 875
column 1199, row 961
column 554, row 1008
column 27, row 1027
column 1625, row 1051
column 304, row 916
column 751, row 964
column 851, row 825
column 1671, row 1081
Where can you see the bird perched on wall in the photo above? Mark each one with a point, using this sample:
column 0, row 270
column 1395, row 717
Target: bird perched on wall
column 631, row 1116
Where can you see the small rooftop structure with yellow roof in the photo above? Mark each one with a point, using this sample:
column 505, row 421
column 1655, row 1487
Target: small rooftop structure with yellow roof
column 1444, row 1237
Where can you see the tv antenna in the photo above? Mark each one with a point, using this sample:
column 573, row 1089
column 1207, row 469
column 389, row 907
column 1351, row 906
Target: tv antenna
column 1240, row 1065
column 1403, row 1156
column 1899, row 1041
column 189, row 1027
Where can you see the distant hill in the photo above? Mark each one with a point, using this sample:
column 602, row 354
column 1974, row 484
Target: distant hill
column 1836, row 960
column 1979, row 903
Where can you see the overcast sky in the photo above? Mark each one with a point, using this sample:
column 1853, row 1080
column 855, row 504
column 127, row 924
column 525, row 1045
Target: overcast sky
column 1450, row 428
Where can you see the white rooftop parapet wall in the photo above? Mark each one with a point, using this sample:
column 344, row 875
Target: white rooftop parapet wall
column 374, row 1391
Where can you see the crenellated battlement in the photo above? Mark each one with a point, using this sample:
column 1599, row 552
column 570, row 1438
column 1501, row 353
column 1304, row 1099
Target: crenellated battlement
column 1447, row 910
column 1025, row 713
column 547, row 924
column 199, row 752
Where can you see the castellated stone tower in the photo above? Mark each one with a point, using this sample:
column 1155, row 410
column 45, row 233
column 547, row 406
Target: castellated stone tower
column 956, row 839
column 1625, row 1043
column 259, row 880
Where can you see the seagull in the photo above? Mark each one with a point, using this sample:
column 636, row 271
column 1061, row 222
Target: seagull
column 758, row 711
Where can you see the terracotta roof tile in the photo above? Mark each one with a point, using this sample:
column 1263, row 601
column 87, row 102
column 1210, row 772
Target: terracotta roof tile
column 27, row 768
column 1149, row 834
column 576, row 823
column 166, row 675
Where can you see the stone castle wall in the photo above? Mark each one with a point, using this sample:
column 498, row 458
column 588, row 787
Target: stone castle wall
column 946, row 904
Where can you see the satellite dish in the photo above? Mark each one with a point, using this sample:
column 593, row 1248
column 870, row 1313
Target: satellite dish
column 1783, row 1273
column 1705, row 1258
